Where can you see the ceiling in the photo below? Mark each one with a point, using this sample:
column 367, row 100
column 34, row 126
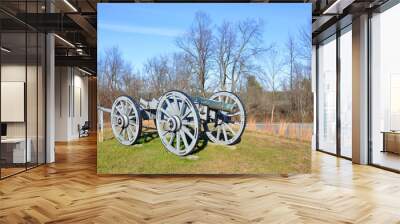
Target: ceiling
column 330, row 15
column 75, row 22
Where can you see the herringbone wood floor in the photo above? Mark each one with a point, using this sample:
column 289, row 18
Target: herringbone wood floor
column 69, row 191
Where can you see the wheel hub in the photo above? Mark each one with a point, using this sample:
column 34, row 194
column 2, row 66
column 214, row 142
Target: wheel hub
column 123, row 121
column 174, row 123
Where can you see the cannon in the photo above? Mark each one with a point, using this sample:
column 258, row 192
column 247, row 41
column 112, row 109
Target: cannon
column 180, row 119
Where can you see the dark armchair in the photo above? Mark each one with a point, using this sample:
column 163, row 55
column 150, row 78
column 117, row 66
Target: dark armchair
column 84, row 129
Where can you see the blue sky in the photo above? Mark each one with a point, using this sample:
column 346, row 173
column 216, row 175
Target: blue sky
column 149, row 29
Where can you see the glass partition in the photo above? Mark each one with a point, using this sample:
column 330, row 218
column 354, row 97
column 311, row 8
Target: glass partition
column 22, row 101
column 31, row 97
column 13, row 114
column 327, row 95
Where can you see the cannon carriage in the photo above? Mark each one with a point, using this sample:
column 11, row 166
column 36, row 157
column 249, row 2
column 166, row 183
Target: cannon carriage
column 180, row 119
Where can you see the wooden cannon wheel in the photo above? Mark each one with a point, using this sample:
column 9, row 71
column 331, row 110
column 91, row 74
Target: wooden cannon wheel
column 178, row 122
column 227, row 127
column 126, row 120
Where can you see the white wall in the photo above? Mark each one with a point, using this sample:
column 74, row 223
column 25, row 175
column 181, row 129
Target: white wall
column 80, row 85
column 62, row 82
column 33, row 125
column 70, row 83
column 16, row 73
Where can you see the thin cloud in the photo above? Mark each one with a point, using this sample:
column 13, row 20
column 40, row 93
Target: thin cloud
column 159, row 31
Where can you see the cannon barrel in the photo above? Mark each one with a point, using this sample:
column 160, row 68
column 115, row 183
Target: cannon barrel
column 214, row 104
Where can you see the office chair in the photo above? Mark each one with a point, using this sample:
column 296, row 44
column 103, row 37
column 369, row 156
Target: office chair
column 84, row 130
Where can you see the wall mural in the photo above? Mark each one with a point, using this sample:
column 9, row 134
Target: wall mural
column 204, row 88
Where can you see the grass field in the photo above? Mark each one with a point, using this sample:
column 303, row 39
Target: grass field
column 257, row 153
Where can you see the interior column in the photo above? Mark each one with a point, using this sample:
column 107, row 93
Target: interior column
column 360, row 90
column 50, row 92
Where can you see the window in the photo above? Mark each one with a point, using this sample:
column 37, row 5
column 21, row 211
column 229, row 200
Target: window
column 385, row 89
column 346, row 92
column 327, row 95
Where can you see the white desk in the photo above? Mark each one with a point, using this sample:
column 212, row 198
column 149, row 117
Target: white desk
column 18, row 149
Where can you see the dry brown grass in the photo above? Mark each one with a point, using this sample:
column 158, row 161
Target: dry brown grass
column 282, row 129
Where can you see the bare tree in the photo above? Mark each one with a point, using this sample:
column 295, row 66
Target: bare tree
column 197, row 43
column 111, row 68
column 253, row 93
column 237, row 47
column 158, row 71
column 291, row 58
column 226, row 41
column 305, row 47
column 304, row 93
column 305, row 42
column 228, row 57
column 274, row 67
column 132, row 82
column 291, row 62
column 181, row 72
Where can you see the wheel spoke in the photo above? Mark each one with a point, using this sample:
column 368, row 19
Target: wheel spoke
column 225, row 135
column 183, row 109
column 114, row 120
column 213, row 127
column 126, row 107
column 232, row 115
column 230, row 129
column 123, row 107
column 178, row 142
column 129, row 111
column 132, row 131
column 119, row 109
column 235, row 123
column 182, row 133
column 187, row 123
column 187, row 114
column 171, row 140
column 218, row 132
column 165, row 112
column 169, row 106
column 165, row 133
column 162, row 124
column 187, row 132
column 129, row 133
column 123, row 133
column 176, row 105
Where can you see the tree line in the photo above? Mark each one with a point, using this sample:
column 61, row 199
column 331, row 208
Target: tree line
column 273, row 81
